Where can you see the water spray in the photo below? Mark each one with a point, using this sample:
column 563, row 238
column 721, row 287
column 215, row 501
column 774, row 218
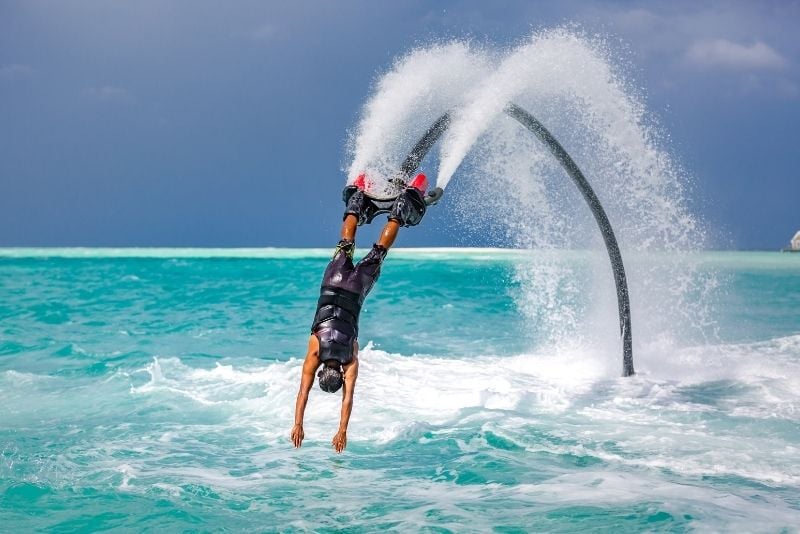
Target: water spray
column 457, row 96
column 432, row 134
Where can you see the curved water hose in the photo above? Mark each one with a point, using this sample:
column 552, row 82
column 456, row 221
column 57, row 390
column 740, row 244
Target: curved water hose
column 623, row 302
column 418, row 153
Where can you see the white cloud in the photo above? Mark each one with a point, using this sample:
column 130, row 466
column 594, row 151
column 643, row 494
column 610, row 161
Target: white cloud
column 109, row 93
column 16, row 72
column 727, row 54
column 728, row 41
column 636, row 19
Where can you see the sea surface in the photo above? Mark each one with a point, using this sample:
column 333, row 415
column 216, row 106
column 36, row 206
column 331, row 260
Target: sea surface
column 154, row 389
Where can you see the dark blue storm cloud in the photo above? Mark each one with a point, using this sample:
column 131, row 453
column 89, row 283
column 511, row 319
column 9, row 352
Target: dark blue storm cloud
column 178, row 123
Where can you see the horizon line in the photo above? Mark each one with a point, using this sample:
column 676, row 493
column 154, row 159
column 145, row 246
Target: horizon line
column 306, row 252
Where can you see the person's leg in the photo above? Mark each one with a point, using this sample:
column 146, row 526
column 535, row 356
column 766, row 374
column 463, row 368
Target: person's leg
column 349, row 227
column 389, row 234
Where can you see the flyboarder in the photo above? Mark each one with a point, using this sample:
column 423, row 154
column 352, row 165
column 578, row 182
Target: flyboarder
column 333, row 343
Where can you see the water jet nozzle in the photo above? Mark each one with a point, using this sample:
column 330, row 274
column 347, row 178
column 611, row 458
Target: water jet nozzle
column 433, row 196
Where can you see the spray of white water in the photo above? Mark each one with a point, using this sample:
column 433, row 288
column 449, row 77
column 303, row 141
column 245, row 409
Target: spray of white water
column 411, row 96
column 508, row 183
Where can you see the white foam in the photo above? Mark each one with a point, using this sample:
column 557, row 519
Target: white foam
column 128, row 474
column 407, row 390
column 718, row 412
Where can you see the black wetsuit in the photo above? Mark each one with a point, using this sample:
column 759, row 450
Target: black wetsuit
column 344, row 288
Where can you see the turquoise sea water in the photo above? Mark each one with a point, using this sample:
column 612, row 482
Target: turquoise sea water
column 154, row 390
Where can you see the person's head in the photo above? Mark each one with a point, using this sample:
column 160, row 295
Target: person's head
column 330, row 376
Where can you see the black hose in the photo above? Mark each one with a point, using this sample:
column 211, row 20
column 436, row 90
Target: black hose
column 623, row 301
column 433, row 133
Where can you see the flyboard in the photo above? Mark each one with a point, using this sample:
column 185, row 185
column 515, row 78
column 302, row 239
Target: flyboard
column 383, row 197
column 420, row 150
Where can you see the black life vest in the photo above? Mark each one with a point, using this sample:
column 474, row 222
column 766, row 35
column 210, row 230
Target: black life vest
column 336, row 323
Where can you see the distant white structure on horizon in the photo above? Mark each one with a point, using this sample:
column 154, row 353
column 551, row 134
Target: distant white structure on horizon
column 794, row 244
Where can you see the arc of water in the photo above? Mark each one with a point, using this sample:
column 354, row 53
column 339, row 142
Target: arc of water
column 420, row 150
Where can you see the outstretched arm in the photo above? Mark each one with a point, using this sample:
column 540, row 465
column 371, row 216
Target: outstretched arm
column 350, row 376
column 306, row 381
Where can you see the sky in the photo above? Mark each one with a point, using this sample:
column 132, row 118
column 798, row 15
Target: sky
column 225, row 123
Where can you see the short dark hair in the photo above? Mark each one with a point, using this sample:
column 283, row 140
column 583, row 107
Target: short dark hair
column 330, row 377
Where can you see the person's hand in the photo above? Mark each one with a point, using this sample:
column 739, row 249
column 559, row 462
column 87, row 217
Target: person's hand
column 297, row 435
column 340, row 441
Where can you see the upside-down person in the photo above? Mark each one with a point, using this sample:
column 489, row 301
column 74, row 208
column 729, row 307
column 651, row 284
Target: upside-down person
column 333, row 343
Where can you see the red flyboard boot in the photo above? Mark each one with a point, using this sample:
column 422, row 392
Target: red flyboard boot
column 361, row 182
column 420, row 183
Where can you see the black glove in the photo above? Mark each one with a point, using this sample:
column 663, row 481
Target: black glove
column 409, row 208
column 356, row 203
